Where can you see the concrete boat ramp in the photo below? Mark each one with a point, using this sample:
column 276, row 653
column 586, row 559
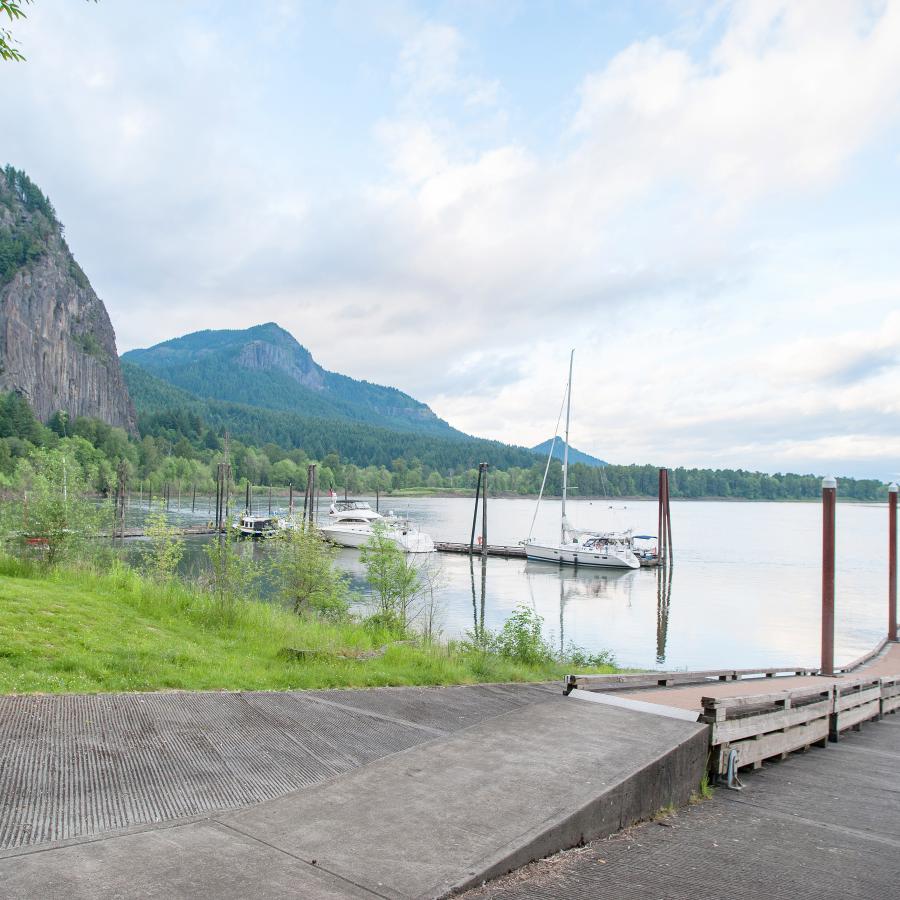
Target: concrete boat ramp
column 390, row 792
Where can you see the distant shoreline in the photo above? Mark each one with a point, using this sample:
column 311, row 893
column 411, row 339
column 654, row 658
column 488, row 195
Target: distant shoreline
column 469, row 494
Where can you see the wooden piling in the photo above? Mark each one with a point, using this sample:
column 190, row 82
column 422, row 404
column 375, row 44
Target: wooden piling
column 892, row 562
column 475, row 511
column 829, row 497
column 664, row 520
column 484, row 490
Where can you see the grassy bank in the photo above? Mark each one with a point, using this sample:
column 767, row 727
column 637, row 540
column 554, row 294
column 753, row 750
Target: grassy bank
column 72, row 631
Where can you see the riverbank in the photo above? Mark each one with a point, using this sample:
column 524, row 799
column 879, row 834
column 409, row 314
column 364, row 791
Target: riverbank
column 78, row 631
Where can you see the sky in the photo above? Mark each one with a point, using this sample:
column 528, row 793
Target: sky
column 702, row 199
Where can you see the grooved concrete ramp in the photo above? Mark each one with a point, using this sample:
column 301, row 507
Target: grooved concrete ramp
column 81, row 765
column 445, row 813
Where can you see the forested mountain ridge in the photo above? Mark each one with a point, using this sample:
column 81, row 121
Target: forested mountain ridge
column 171, row 413
column 57, row 344
column 264, row 366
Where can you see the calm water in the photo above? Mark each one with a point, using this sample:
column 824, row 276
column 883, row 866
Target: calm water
column 744, row 590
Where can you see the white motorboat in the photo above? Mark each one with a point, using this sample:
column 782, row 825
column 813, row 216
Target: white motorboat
column 350, row 523
column 579, row 547
column 250, row 525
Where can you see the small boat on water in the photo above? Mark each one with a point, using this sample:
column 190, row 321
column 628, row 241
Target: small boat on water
column 579, row 547
column 250, row 525
column 351, row 523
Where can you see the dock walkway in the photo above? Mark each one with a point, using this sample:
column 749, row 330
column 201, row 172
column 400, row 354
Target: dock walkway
column 824, row 825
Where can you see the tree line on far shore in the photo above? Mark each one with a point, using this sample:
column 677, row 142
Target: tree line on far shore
column 188, row 456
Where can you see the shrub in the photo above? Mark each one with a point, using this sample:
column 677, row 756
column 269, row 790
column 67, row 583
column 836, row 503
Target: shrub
column 305, row 576
column 521, row 638
column 166, row 547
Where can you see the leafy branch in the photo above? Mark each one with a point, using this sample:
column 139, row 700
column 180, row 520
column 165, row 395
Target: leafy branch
column 14, row 10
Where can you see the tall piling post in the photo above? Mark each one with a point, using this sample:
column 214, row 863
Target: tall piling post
column 484, row 490
column 475, row 512
column 668, row 522
column 664, row 521
column 829, row 498
column 121, row 497
column 291, row 500
column 892, row 562
column 660, row 532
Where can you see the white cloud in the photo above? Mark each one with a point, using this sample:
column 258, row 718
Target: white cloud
column 653, row 231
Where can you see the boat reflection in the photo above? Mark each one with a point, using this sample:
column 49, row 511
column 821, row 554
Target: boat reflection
column 578, row 585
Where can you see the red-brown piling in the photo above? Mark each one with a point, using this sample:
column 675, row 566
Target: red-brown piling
column 892, row 562
column 829, row 497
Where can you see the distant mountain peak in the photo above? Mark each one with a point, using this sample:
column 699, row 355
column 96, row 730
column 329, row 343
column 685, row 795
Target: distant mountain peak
column 575, row 456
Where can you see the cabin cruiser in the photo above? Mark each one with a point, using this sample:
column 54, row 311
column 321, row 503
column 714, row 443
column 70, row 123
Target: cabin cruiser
column 250, row 525
column 350, row 523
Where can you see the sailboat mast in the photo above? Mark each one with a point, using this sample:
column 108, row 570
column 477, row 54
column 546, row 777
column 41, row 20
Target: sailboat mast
column 565, row 491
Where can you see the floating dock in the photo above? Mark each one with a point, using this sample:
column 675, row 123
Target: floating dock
column 506, row 551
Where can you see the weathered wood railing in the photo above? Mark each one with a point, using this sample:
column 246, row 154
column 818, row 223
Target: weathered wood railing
column 640, row 680
column 763, row 726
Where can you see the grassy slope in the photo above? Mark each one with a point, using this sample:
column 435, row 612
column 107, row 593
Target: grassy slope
column 87, row 633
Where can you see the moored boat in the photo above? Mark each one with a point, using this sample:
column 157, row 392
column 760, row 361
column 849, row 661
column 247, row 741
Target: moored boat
column 250, row 525
column 351, row 523
column 579, row 547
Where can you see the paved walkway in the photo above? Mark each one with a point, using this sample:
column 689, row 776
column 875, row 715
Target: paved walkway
column 823, row 824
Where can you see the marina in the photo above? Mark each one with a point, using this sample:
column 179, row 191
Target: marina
column 729, row 557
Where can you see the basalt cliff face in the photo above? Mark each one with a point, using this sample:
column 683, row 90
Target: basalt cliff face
column 57, row 344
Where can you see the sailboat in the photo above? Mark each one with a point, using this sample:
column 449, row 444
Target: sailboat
column 579, row 547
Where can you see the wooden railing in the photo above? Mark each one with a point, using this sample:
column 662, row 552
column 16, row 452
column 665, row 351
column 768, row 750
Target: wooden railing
column 640, row 680
column 763, row 726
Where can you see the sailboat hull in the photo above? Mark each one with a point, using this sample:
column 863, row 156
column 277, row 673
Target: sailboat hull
column 575, row 555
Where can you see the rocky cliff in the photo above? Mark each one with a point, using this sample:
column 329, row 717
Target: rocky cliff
column 57, row 344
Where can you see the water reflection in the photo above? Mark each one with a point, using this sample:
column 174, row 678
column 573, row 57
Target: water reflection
column 663, row 598
column 590, row 589
column 478, row 605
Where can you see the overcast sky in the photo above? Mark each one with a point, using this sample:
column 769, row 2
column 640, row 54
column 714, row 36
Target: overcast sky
column 702, row 199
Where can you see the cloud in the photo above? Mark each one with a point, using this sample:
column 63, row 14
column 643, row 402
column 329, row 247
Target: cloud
column 367, row 182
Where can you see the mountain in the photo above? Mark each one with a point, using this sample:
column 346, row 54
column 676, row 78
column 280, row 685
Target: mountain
column 170, row 412
column 575, row 456
column 266, row 367
column 57, row 344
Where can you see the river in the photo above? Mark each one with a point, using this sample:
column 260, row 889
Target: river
column 744, row 590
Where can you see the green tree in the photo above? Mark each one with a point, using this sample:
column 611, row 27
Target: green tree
column 394, row 579
column 52, row 516
column 166, row 547
column 305, row 575
column 233, row 575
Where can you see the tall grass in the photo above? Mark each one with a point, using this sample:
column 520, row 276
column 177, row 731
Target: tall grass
column 77, row 629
